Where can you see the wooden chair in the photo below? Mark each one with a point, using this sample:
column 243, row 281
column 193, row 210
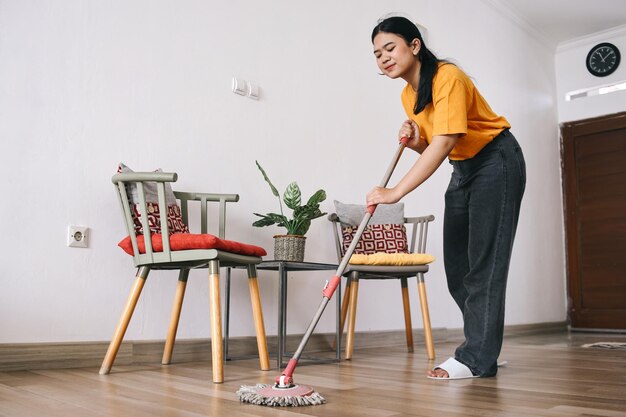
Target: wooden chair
column 183, row 252
column 417, row 229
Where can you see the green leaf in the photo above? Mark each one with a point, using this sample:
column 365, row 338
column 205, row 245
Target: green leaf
column 291, row 226
column 318, row 197
column 292, row 196
column 270, row 219
column 307, row 212
column 274, row 190
column 264, row 221
column 317, row 213
column 301, row 227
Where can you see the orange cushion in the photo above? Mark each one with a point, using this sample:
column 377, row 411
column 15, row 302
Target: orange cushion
column 392, row 259
column 187, row 241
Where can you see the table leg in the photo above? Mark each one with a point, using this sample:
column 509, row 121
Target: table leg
column 285, row 280
column 281, row 315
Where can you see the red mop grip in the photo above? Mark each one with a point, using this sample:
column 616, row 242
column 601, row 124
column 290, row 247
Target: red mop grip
column 330, row 288
column 404, row 140
column 371, row 209
column 286, row 377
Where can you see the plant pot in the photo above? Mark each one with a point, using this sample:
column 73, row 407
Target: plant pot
column 289, row 248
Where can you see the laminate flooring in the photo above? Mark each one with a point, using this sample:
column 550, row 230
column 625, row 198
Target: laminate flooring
column 547, row 375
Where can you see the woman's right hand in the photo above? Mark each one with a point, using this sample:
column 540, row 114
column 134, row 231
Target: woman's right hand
column 411, row 130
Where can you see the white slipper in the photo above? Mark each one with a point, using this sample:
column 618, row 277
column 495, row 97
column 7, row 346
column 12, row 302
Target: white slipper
column 455, row 370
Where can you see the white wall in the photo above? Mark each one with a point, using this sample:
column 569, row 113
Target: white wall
column 572, row 75
column 86, row 84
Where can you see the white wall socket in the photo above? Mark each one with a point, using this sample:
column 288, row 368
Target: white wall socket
column 77, row 236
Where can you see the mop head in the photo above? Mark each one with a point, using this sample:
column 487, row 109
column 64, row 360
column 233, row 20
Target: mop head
column 272, row 396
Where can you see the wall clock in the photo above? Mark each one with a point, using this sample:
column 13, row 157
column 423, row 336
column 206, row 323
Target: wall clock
column 603, row 59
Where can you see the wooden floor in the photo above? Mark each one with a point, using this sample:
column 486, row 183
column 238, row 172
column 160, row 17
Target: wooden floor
column 547, row 375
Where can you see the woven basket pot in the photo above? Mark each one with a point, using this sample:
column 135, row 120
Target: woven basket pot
column 289, row 248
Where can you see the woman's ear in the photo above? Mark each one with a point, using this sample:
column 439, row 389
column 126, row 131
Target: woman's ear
column 416, row 45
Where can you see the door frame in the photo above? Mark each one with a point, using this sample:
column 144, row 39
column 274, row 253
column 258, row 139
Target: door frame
column 578, row 316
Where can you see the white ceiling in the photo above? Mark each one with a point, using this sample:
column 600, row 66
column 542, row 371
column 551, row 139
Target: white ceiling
column 564, row 20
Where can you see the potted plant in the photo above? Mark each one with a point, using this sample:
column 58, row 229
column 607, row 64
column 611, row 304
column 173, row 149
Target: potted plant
column 290, row 246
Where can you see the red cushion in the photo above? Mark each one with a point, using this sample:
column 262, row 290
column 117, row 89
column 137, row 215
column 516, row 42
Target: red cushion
column 186, row 241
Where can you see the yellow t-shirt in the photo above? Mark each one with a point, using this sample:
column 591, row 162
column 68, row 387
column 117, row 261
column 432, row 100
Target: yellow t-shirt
column 457, row 107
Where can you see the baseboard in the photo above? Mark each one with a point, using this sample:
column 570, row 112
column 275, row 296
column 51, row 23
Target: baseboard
column 586, row 330
column 516, row 330
column 33, row 356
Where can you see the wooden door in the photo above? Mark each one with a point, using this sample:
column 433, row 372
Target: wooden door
column 594, row 171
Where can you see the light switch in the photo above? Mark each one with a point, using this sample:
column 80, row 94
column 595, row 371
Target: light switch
column 253, row 91
column 239, row 86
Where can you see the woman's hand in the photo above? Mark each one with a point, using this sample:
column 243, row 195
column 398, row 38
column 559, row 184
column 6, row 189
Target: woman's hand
column 423, row 168
column 411, row 130
column 380, row 195
column 408, row 130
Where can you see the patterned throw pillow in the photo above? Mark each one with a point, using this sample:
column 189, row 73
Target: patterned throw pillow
column 175, row 222
column 385, row 231
column 376, row 238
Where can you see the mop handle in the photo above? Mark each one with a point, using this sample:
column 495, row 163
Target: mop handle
column 332, row 285
column 285, row 379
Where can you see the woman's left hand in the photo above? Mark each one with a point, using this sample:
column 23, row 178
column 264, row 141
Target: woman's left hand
column 380, row 195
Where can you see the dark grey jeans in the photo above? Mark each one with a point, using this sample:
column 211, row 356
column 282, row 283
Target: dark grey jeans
column 482, row 207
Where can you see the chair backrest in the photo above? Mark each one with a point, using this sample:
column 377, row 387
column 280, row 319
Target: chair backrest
column 162, row 179
column 417, row 233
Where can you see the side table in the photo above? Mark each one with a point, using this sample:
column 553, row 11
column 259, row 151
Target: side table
column 283, row 268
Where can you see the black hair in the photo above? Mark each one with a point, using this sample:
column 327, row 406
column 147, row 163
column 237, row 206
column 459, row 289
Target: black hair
column 406, row 29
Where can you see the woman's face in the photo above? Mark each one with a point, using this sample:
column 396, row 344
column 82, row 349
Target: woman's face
column 394, row 57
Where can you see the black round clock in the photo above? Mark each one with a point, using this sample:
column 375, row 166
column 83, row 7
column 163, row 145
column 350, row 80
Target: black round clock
column 603, row 59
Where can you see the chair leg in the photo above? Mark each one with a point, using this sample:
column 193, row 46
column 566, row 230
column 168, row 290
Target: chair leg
column 344, row 311
column 408, row 325
column 175, row 317
column 354, row 290
column 257, row 313
column 217, row 348
column 428, row 334
column 122, row 325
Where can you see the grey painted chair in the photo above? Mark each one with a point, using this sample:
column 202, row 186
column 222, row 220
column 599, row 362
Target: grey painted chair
column 193, row 256
column 417, row 229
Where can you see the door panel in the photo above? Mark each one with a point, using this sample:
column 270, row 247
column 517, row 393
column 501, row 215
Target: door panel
column 594, row 166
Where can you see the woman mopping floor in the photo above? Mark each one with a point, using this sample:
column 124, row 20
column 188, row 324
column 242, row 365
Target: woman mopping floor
column 449, row 118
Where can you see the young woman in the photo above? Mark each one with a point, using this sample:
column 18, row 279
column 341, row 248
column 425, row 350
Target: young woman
column 448, row 118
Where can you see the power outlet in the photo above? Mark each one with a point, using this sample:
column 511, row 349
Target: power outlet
column 77, row 236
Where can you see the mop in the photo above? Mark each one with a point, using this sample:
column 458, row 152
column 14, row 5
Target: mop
column 284, row 392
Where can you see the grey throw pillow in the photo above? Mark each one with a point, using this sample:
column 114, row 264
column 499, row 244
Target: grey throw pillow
column 352, row 214
column 150, row 189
